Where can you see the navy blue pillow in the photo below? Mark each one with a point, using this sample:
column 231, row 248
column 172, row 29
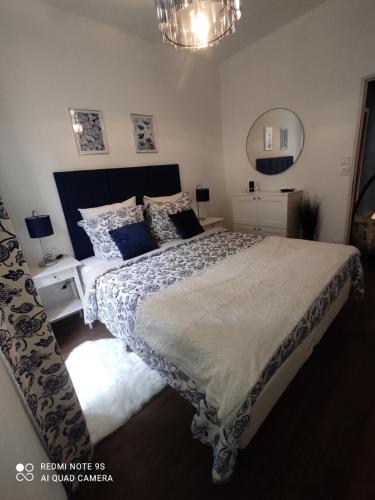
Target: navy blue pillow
column 133, row 240
column 186, row 223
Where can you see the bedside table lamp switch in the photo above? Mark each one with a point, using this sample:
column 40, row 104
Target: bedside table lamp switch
column 39, row 226
column 202, row 195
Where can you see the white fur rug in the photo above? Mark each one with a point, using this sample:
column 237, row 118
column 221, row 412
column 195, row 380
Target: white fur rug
column 111, row 384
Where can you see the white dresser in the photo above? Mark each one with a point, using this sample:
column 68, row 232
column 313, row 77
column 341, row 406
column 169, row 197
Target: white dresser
column 267, row 213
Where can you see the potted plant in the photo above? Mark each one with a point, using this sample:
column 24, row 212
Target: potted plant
column 308, row 214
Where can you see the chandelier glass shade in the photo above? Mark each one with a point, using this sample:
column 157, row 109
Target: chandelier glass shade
column 196, row 24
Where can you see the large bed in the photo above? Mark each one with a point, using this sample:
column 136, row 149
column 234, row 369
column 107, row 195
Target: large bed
column 226, row 318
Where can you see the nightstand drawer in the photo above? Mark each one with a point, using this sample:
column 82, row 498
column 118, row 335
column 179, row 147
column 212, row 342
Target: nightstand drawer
column 52, row 278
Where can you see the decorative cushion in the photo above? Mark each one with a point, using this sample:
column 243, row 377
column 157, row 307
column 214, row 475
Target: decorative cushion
column 158, row 199
column 157, row 216
column 186, row 223
column 97, row 229
column 89, row 213
column 133, row 240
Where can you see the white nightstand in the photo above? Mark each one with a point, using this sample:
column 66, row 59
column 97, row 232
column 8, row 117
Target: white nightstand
column 211, row 222
column 59, row 301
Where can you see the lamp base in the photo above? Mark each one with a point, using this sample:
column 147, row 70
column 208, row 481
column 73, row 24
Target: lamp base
column 47, row 262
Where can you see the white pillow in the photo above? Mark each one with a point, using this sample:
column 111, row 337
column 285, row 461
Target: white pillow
column 89, row 213
column 161, row 199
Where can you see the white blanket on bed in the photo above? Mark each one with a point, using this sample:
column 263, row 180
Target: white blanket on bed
column 223, row 325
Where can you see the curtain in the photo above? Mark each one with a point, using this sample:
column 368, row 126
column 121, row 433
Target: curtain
column 31, row 351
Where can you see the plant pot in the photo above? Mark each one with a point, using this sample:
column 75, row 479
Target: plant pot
column 308, row 234
column 308, row 215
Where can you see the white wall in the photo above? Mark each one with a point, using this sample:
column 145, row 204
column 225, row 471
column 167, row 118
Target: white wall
column 19, row 443
column 51, row 60
column 313, row 66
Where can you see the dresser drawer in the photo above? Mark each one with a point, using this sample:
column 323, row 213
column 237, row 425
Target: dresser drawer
column 272, row 211
column 267, row 213
column 245, row 210
column 52, row 278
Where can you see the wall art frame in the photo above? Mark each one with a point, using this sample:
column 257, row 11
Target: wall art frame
column 267, row 138
column 144, row 133
column 89, row 131
column 284, row 138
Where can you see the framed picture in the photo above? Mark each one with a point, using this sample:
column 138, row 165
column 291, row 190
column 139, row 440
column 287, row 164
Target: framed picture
column 144, row 133
column 283, row 138
column 88, row 130
column 267, row 139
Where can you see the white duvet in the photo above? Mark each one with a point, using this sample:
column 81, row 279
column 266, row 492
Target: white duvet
column 223, row 325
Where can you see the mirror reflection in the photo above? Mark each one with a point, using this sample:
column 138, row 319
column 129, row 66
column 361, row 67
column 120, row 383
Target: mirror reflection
column 275, row 141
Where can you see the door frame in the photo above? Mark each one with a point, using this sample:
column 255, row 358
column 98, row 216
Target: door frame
column 358, row 155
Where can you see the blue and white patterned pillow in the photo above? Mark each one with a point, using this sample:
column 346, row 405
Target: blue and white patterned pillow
column 157, row 216
column 98, row 229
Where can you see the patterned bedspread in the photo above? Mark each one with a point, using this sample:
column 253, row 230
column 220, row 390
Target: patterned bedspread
column 114, row 296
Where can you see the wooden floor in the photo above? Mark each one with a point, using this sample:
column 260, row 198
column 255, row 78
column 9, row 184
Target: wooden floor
column 317, row 444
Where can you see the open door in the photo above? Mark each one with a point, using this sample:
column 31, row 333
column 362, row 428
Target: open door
column 362, row 226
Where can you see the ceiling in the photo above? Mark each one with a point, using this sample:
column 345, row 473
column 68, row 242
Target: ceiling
column 260, row 17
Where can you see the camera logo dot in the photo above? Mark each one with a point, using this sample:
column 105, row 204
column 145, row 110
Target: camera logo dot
column 24, row 472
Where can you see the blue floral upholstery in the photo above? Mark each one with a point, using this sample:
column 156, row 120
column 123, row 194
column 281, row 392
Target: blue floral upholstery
column 30, row 349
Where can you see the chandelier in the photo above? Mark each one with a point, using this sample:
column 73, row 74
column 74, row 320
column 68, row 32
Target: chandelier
column 196, row 24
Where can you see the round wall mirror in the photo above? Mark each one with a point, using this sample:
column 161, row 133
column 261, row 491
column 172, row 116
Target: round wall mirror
column 275, row 141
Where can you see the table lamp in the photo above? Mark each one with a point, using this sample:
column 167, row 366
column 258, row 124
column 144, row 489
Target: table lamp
column 39, row 226
column 202, row 194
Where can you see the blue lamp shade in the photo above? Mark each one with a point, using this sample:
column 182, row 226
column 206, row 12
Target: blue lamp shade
column 202, row 194
column 39, row 226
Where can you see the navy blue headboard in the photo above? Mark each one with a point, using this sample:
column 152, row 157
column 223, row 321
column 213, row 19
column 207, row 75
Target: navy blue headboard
column 93, row 188
column 273, row 166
